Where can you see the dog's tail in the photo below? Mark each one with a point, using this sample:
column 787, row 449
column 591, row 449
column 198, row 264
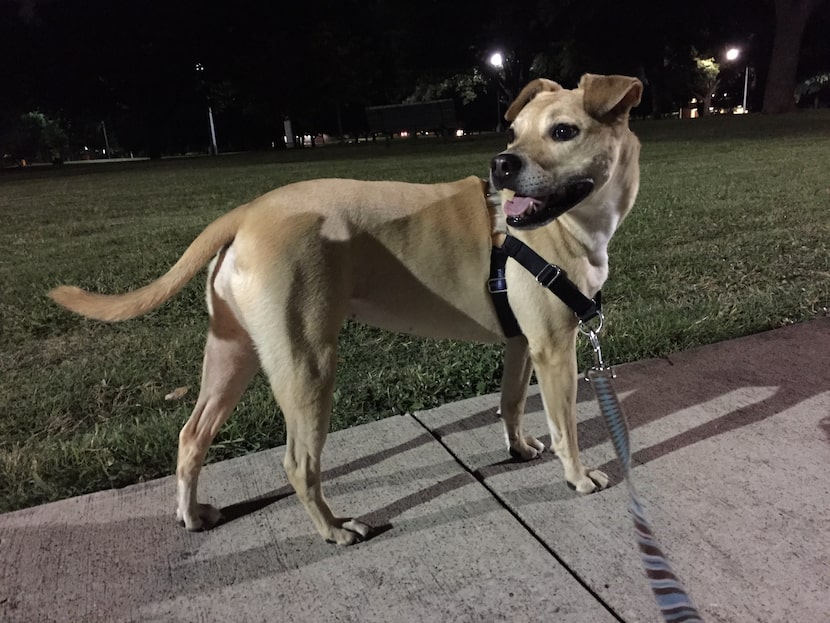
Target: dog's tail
column 115, row 307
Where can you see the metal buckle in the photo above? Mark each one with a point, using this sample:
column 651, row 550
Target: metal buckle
column 544, row 278
column 497, row 285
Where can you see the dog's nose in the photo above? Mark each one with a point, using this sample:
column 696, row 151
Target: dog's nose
column 504, row 169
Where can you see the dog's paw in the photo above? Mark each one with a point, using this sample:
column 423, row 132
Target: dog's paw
column 350, row 532
column 527, row 449
column 205, row 518
column 593, row 480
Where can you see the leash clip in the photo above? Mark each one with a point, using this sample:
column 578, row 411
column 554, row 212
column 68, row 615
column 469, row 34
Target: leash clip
column 592, row 333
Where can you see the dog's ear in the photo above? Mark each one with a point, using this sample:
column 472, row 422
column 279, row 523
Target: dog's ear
column 610, row 98
column 528, row 93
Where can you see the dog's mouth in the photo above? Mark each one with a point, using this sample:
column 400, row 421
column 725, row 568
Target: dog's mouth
column 530, row 212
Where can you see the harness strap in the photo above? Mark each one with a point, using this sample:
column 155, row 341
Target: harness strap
column 497, row 286
column 553, row 278
column 548, row 275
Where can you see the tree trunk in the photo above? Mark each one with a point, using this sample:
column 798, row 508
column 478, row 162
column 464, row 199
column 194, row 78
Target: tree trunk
column 790, row 19
column 704, row 98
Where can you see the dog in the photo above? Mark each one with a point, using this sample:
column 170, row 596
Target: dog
column 291, row 266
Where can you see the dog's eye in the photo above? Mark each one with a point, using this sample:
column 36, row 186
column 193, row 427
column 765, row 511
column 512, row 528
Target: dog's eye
column 564, row 132
column 511, row 135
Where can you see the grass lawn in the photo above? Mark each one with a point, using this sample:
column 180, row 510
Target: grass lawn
column 729, row 236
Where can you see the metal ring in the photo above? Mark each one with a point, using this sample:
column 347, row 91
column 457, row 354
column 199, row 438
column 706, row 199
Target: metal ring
column 585, row 330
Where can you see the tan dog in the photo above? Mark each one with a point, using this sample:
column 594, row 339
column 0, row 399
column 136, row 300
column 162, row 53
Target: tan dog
column 292, row 265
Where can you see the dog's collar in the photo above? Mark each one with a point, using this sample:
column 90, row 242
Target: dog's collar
column 548, row 275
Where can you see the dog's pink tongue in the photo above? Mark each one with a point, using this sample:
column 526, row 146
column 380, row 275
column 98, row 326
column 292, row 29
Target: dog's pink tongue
column 517, row 205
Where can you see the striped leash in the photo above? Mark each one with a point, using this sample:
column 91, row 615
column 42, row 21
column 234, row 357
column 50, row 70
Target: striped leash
column 672, row 599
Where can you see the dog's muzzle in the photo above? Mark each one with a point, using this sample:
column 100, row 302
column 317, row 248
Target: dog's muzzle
column 531, row 212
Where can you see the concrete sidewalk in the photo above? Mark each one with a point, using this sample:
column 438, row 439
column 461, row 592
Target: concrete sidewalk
column 732, row 447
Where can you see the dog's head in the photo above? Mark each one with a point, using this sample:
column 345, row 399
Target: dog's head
column 562, row 144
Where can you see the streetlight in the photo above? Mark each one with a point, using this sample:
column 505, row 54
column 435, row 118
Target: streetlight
column 731, row 55
column 496, row 60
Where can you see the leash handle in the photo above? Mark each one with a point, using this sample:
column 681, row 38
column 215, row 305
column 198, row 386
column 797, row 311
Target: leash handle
column 674, row 602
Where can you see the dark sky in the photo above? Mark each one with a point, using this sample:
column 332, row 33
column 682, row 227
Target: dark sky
column 133, row 63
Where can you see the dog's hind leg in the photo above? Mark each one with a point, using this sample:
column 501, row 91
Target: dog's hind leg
column 230, row 363
column 303, row 384
column 514, row 382
column 294, row 308
column 307, row 417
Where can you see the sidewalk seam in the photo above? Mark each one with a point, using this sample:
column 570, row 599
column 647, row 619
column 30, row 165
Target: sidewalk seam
column 480, row 479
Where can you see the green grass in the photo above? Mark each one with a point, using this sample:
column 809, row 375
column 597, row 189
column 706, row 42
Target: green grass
column 728, row 237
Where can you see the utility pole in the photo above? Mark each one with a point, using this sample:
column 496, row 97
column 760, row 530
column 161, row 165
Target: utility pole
column 106, row 140
column 213, row 149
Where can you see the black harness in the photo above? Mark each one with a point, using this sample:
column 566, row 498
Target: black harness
column 548, row 275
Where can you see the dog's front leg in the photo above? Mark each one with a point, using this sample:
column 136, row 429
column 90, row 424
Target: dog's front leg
column 514, row 381
column 556, row 371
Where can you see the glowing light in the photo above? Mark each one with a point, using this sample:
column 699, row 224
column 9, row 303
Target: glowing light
column 732, row 54
column 497, row 60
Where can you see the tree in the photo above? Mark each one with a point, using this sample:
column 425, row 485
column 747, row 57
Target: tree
column 812, row 86
column 705, row 82
column 34, row 136
column 790, row 20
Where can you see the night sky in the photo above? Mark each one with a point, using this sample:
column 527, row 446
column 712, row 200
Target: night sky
column 150, row 68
